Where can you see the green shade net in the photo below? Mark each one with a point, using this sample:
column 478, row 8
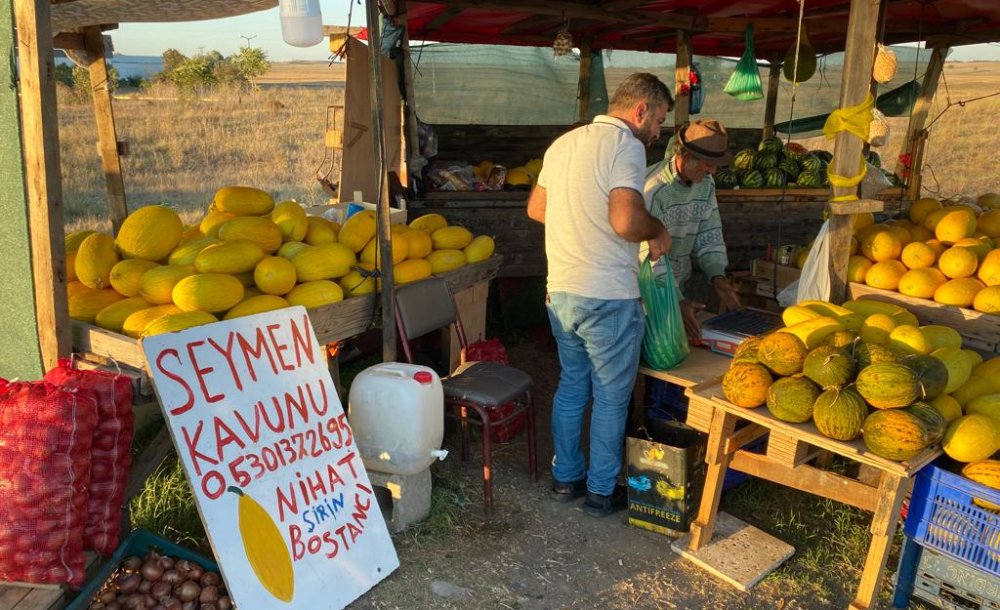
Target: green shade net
column 897, row 102
column 745, row 83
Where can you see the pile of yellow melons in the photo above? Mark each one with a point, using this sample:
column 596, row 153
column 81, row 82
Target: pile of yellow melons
column 946, row 253
column 246, row 256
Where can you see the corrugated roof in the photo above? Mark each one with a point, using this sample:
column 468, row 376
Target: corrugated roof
column 68, row 15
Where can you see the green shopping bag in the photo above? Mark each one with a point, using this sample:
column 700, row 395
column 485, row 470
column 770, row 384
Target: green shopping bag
column 665, row 344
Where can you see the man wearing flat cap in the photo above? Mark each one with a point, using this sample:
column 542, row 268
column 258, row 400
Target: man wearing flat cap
column 680, row 192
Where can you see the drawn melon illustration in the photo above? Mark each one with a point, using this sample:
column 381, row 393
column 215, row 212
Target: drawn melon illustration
column 265, row 548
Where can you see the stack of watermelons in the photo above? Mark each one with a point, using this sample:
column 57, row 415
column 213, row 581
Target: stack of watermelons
column 775, row 165
column 901, row 391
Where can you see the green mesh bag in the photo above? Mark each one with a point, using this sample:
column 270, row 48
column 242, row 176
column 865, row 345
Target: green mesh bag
column 745, row 83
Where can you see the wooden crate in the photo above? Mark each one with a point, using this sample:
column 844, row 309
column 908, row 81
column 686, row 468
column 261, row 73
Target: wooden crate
column 772, row 278
column 980, row 331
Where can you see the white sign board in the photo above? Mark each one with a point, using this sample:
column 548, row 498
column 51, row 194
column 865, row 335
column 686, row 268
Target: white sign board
column 266, row 446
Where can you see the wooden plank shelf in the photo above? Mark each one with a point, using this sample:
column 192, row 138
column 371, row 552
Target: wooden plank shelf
column 980, row 331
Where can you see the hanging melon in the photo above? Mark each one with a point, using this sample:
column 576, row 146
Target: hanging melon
column 807, row 61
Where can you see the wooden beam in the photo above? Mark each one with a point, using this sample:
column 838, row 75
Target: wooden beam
column 807, row 478
column 915, row 128
column 335, row 30
column 583, row 91
column 859, row 55
column 70, row 41
column 771, row 103
column 107, row 136
column 682, row 80
column 414, row 163
column 40, row 135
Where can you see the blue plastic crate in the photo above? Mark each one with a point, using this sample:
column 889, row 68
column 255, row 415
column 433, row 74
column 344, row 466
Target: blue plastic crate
column 137, row 543
column 943, row 517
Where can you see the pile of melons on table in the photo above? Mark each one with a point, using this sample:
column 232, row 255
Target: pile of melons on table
column 247, row 255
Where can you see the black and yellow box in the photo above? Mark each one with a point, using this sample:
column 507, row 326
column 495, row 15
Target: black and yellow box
column 666, row 473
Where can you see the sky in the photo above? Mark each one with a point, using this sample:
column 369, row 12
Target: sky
column 227, row 36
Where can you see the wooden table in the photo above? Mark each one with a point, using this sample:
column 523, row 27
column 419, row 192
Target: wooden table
column 700, row 366
column 789, row 448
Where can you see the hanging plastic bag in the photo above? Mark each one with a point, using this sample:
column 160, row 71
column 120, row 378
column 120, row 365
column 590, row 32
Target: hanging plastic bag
column 697, row 90
column 814, row 282
column 745, row 83
column 665, row 343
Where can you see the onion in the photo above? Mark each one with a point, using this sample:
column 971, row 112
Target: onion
column 152, row 570
column 150, row 601
column 172, row 576
column 132, row 563
column 210, row 578
column 161, row 589
column 195, row 571
column 209, row 594
column 208, row 606
column 183, row 566
column 108, row 595
column 188, row 591
column 225, row 603
column 167, row 562
column 128, row 583
column 135, row 601
column 145, row 586
column 113, row 605
column 190, row 606
column 171, row 603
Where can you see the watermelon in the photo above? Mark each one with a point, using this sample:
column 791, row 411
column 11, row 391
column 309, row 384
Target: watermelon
column 752, row 180
column 726, row 178
column 791, row 399
column 810, row 179
column 775, row 179
column 765, row 161
column 840, row 413
column 795, row 150
column 790, row 167
column 744, row 159
column 934, row 422
column 823, row 155
column 811, row 162
column 931, row 372
column 771, row 145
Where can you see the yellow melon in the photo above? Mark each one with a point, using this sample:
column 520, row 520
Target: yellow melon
column 959, row 292
column 479, row 249
column 989, row 268
column 971, row 438
column 157, row 284
column 243, row 201
column 256, row 304
column 937, row 246
column 94, row 260
column 290, row 248
column 958, row 365
column 975, row 359
column 881, row 245
column 74, row 239
column 987, row 300
column 921, row 283
column 173, row 322
column 917, row 255
column 355, row 283
column 989, row 223
column 291, row 220
column 801, row 257
column 901, row 231
column 320, row 231
column 150, row 233
column 957, row 223
column 371, row 253
column 256, row 229
column 274, row 275
column 75, row 287
column 939, row 336
column 932, row 219
column 418, row 244
column 921, row 233
column 446, row 260
column 947, row 406
column 987, row 404
column 191, row 232
column 885, row 274
column 921, row 208
column 855, row 246
column 315, row 294
column 323, row 262
column 113, row 316
column 909, row 340
column 136, row 322
column 857, row 267
column 186, row 252
column 412, row 270
column 957, row 262
column 126, row 275
column 237, row 256
column 981, row 246
column 212, row 221
column 429, row 223
column 973, row 387
column 85, row 305
column 860, row 222
column 451, row 238
column 358, row 229
column 211, row 292
column 876, row 328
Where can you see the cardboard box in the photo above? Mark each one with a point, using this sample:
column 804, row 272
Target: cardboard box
column 340, row 212
column 666, row 474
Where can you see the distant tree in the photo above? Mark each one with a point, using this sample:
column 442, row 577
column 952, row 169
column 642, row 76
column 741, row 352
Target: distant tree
column 81, row 80
column 172, row 58
column 194, row 75
column 252, row 63
column 227, row 74
column 64, row 74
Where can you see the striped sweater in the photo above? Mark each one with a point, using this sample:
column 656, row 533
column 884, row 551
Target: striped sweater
column 691, row 214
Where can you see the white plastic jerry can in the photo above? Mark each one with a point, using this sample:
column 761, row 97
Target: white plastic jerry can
column 396, row 411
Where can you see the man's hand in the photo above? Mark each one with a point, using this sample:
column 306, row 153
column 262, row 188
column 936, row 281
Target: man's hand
column 729, row 298
column 689, row 313
column 659, row 245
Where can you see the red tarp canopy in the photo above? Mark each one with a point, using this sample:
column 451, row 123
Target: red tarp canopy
column 717, row 26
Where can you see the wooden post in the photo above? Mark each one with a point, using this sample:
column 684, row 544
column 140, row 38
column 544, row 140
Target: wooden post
column 915, row 134
column 891, row 492
column 106, row 135
column 411, row 137
column 382, row 199
column 43, row 185
column 583, row 90
column 859, row 55
column 682, row 80
column 771, row 105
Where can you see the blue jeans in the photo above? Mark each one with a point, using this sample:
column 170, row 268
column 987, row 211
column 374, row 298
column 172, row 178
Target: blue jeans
column 599, row 342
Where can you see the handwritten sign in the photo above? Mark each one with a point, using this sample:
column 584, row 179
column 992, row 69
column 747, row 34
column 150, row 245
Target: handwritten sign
column 266, row 446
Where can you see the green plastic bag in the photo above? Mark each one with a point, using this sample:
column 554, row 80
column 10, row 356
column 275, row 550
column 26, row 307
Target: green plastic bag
column 665, row 343
column 745, row 83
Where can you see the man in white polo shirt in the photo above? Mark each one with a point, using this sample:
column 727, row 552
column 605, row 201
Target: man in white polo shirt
column 589, row 196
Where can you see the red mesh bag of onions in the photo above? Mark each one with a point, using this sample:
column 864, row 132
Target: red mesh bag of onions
column 45, row 441
column 111, row 456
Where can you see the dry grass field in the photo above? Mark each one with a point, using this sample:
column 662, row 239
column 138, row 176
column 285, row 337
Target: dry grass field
column 181, row 151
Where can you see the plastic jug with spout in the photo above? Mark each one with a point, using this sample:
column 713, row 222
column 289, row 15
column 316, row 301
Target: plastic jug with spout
column 396, row 411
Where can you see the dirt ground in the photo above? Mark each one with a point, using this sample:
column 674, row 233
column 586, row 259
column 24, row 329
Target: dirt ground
column 539, row 554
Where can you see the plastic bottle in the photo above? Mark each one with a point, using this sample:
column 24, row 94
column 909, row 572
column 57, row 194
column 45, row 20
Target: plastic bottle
column 301, row 22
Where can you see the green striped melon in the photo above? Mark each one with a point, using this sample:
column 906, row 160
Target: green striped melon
column 872, row 353
column 828, row 366
column 888, row 385
column 771, row 145
column 765, row 161
column 790, row 167
column 791, row 399
column 753, row 179
column 934, row 422
column 895, row 434
column 744, row 159
column 810, row 179
column 931, row 372
column 726, row 178
column 839, row 413
column 774, row 178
